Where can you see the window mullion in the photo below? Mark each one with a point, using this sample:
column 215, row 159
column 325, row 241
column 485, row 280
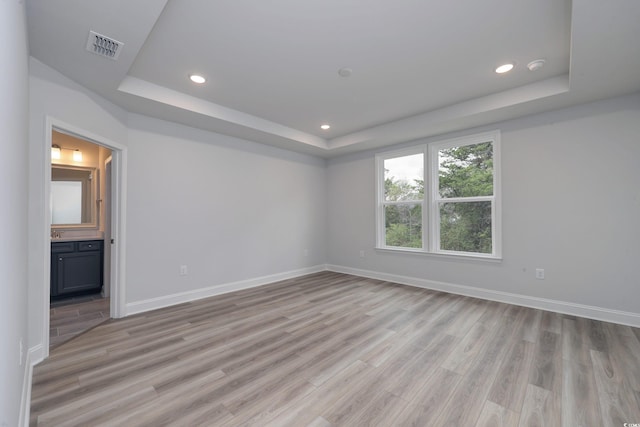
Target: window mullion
column 426, row 214
column 464, row 199
column 401, row 202
column 432, row 168
column 380, row 215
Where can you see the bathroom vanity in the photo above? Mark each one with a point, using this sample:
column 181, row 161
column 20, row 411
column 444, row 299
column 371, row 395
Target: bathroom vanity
column 77, row 243
column 76, row 267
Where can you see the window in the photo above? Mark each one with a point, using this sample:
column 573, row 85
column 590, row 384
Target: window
column 457, row 212
column 403, row 200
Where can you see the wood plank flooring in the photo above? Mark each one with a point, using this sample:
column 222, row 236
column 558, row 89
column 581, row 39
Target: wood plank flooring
column 71, row 317
column 330, row 349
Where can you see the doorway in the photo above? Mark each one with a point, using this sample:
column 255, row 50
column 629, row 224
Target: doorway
column 80, row 285
column 81, row 302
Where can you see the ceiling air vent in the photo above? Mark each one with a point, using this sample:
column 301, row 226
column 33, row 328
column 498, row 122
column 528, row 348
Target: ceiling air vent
column 104, row 46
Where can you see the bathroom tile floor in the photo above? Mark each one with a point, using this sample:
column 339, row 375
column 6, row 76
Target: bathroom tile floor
column 73, row 316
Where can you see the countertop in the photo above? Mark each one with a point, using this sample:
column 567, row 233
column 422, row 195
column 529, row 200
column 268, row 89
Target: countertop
column 75, row 239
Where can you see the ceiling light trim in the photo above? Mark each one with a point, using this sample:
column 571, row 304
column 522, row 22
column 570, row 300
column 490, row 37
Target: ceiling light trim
column 164, row 95
column 407, row 129
column 425, row 124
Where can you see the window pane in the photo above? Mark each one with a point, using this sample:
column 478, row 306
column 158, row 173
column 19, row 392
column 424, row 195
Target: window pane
column 403, row 225
column 466, row 171
column 404, row 178
column 466, row 227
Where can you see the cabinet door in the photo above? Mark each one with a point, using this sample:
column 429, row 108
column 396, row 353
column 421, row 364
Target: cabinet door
column 57, row 249
column 79, row 271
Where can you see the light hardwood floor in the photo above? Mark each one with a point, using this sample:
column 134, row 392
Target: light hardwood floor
column 336, row 350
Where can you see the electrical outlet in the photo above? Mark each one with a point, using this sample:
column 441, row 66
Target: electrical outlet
column 183, row 270
column 305, row 252
column 361, row 254
column 540, row 273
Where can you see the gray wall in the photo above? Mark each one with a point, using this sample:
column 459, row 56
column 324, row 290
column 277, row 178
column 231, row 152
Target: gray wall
column 571, row 203
column 229, row 209
column 51, row 94
column 14, row 208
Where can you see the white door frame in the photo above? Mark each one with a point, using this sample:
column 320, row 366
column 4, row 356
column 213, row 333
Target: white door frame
column 108, row 214
column 118, row 219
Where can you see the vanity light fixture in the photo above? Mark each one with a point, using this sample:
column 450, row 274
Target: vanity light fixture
column 197, row 79
column 504, row 68
column 56, row 153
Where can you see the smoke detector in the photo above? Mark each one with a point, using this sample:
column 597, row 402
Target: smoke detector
column 345, row 72
column 104, row 46
column 536, row 65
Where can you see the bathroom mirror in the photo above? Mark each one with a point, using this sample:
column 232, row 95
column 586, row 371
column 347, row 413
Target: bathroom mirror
column 73, row 197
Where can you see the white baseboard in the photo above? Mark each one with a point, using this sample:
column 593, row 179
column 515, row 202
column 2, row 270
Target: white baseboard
column 580, row 310
column 169, row 300
column 34, row 356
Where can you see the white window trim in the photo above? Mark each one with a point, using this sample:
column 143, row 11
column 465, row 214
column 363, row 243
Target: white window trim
column 431, row 201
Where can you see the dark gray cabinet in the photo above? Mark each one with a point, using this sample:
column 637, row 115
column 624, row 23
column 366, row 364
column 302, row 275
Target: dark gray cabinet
column 76, row 267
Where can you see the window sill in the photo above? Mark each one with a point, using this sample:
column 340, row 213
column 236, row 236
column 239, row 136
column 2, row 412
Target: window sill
column 442, row 256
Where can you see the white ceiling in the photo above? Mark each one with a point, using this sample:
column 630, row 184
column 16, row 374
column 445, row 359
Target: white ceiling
column 420, row 68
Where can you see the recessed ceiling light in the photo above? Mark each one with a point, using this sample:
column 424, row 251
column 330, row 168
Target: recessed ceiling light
column 536, row 65
column 197, row 78
column 325, row 127
column 505, row 68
